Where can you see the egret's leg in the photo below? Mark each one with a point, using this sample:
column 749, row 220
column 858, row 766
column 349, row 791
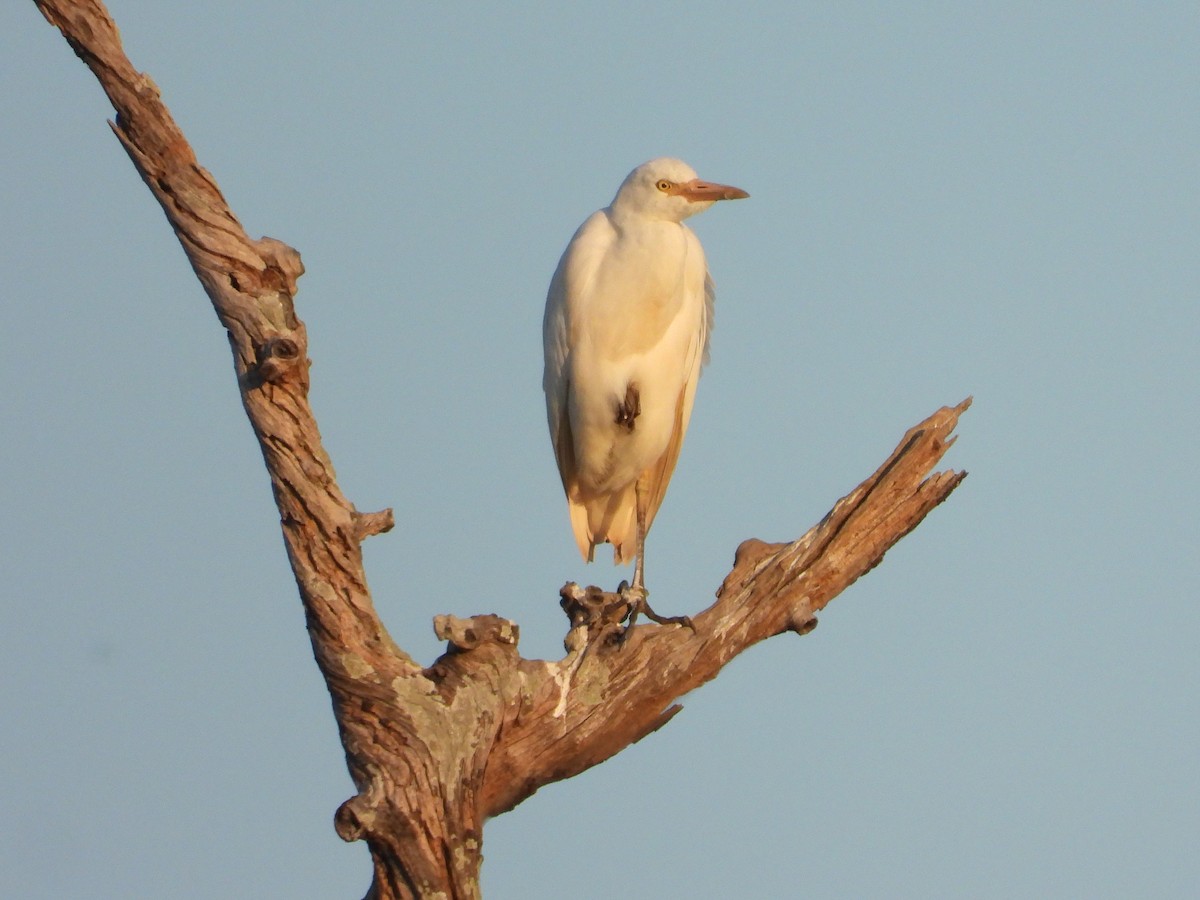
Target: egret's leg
column 637, row 592
column 639, row 567
column 639, row 603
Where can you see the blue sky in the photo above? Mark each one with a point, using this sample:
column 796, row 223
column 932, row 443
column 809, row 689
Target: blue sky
column 947, row 199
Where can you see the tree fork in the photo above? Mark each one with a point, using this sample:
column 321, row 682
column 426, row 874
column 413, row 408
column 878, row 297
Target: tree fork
column 435, row 751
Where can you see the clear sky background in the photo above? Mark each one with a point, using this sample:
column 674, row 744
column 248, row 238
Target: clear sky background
column 947, row 199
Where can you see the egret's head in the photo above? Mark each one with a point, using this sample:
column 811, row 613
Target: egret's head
column 669, row 189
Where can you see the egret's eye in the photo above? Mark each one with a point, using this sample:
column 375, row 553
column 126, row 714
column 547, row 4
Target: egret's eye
column 664, row 185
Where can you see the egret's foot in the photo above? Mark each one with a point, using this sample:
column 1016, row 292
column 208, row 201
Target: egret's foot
column 636, row 596
column 595, row 614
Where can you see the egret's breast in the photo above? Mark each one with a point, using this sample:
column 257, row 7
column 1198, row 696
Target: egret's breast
column 639, row 289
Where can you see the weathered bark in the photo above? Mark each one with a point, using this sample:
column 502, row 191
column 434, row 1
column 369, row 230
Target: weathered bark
column 436, row 751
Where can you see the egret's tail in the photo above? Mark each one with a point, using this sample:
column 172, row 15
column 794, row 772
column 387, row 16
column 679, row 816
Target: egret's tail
column 611, row 519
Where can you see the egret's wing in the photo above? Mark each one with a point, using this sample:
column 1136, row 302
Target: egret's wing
column 557, row 385
column 554, row 377
column 710, row 315
column 572, row 279
column 568, row 290
column 658, row 476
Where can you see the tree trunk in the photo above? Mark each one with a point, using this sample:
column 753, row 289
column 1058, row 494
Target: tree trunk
column 435, row 751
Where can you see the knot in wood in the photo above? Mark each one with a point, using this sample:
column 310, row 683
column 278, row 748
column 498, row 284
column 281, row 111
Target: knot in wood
column 352, row 819
column 802, row 623
column 752, row 550
column 282, row 267
column 277, row 357
column 371, row 523
column 468, row 634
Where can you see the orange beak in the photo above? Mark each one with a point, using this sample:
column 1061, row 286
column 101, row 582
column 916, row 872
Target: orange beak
column 696, row 191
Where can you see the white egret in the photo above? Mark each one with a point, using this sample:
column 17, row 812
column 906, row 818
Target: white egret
column 626, row 329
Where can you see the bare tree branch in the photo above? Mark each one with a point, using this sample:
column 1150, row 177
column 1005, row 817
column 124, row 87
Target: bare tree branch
column 434, row 752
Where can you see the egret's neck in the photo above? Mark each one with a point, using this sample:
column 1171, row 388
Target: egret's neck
column 631, row 222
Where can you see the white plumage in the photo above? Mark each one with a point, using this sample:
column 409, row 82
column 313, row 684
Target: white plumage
column 628, row 316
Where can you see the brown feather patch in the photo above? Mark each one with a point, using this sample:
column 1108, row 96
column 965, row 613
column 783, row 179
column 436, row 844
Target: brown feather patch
column 630, row 408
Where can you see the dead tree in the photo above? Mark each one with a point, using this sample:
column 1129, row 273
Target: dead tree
column 434, row 751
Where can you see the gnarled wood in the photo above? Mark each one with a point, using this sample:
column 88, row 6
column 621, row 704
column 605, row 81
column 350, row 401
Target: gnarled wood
column 434, row 752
